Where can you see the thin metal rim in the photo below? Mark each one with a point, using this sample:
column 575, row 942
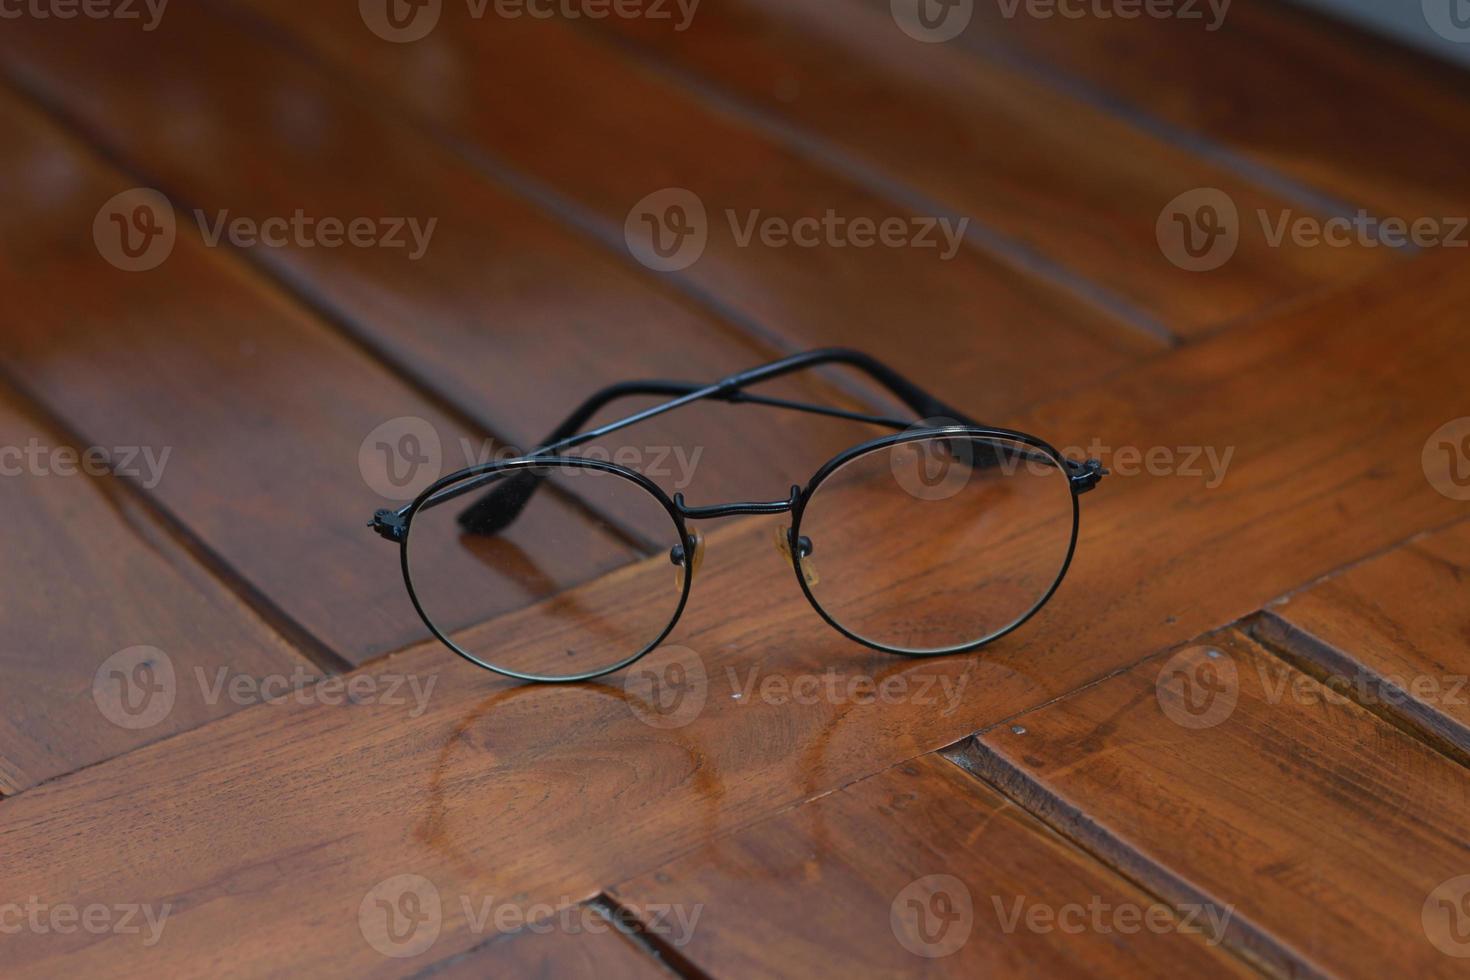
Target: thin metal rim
column 568, row 462
column 915, row 435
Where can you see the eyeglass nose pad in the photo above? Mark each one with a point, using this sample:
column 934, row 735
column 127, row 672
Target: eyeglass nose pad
column 804, row 548
column 676, row 556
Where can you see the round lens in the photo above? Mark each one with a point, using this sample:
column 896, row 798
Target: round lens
column 937, row 543
column 592, row 601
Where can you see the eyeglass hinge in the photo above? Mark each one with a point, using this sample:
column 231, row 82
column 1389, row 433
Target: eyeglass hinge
column 389, row 524
column 1085, row 475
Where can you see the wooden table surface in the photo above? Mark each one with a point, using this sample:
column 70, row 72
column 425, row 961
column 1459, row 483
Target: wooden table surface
column 1229, row 258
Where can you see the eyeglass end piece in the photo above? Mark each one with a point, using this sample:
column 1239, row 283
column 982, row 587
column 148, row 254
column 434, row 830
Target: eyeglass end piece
column 389, row 524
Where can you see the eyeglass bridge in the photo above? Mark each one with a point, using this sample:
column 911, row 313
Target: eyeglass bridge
column 742, row 508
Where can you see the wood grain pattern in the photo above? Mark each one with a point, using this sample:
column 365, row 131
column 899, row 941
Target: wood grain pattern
column 512, row 317
column 982, row 334
column 266, row 411
column 1282, row 86
column 91, row 575
column 850, row 884
column 994, row 143
column 550, row 793
column 1236, row 780
column 1392, row 634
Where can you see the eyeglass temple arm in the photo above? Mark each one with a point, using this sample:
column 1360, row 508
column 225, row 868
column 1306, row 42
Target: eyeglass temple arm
column 497, row 508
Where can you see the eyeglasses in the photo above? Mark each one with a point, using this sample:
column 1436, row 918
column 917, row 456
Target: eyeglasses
column 938, row 538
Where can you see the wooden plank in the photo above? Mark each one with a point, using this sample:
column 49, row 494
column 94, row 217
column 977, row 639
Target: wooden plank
column 1392, row 140
column 1329, row 831
column 624, row 134
column 513, row 317
column 269, row 414
column 553, row 792
column 1391, row 635
column 108, row 591
column 921, row 870
column 576, row 942
column 1054, row 176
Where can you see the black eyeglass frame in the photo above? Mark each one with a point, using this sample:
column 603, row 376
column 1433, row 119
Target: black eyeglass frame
column 500, row 476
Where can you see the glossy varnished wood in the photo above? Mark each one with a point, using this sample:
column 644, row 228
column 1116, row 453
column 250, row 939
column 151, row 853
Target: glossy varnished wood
column 1239, row 780
column 1052, row 175
column 265, row 409
column 984, row 335
column 551, row 793
column 91, row 574
column 1282, row 86
column 920, row 870
column 512, row 316
column 1392, row 634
